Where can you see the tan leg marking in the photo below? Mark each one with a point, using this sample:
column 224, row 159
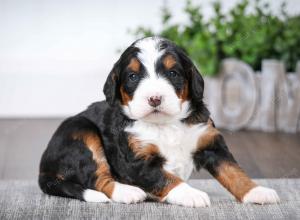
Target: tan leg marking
column 228, row 173
column 172, row 182
column 233, row 178
column 104, row 182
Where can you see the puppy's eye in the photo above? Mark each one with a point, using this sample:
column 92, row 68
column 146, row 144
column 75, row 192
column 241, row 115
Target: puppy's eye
column 172, row 74
column 133, row 77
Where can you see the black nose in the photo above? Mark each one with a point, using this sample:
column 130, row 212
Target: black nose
column 154, row 101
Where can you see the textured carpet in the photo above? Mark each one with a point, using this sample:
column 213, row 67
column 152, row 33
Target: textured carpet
column 24, row 200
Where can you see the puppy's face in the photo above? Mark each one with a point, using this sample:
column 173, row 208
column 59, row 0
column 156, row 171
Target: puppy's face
column 152, row 81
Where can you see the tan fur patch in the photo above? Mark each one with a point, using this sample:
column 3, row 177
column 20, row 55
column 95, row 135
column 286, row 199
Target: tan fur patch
column 104, row 181
column 184, row 93
column 125, row 98
column 169, row 62
column 145, row 152
column 172, row 182
column 233, row 178
column 134, row 65
column 209, row 136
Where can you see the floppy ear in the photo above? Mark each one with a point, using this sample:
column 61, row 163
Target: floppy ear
column 195, row 80
column 112, row 84
column 110, row 88
column 196, row 83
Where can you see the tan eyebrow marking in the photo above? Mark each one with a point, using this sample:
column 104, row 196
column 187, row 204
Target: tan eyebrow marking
column 169, row 62
column 134, row 65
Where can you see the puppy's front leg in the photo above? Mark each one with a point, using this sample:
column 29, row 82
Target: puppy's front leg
column 213, row 154
column 177, row 192
column 158, row 182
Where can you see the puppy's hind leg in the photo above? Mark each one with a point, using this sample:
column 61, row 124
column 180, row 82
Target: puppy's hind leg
column 105, row 182
column 59, row 187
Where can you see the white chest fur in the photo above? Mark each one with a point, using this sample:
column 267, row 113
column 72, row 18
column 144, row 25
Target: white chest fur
column 175, row 141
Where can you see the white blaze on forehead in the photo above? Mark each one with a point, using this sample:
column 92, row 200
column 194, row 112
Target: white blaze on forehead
column 149, row 53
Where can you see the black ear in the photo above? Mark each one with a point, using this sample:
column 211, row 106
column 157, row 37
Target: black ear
column 195, row 80
column 110, row 88
column 196, row 83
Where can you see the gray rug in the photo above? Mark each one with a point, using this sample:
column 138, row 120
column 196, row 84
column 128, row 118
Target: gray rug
column 24, row 200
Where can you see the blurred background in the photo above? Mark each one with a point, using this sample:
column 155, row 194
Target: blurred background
column 55, row 57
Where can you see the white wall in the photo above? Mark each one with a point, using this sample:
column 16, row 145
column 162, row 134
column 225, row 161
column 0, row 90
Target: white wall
column 56, row 54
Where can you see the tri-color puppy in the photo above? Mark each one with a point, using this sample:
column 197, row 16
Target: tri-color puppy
column 146, row 138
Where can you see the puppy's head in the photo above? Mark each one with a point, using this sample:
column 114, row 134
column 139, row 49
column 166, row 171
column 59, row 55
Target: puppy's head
column 154, row 81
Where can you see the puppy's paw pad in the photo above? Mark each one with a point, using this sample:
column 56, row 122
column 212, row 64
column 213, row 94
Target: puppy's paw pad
column 90, row 195
column 261, row 195
column 185, row 195
column 127, row 194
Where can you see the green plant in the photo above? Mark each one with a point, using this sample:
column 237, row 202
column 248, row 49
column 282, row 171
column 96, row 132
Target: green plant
column 250, row 37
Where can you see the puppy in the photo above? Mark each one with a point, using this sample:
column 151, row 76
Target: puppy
column 146, row 138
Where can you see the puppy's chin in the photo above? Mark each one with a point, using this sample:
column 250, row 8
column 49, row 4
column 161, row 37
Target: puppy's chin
column 166, row 117
column 157, row 117
column 160, row 116
column 151, row 116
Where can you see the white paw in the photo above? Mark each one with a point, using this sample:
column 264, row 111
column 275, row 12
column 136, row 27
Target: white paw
column 185, row 195
column 127, row 194
column 261, row 195
column 90, row 195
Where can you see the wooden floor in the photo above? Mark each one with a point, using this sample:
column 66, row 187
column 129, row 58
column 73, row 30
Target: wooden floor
column 262, row 155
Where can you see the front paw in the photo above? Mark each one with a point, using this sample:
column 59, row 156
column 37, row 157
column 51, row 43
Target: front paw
column 127, row 194
column 261, row 195
column 185, row 195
